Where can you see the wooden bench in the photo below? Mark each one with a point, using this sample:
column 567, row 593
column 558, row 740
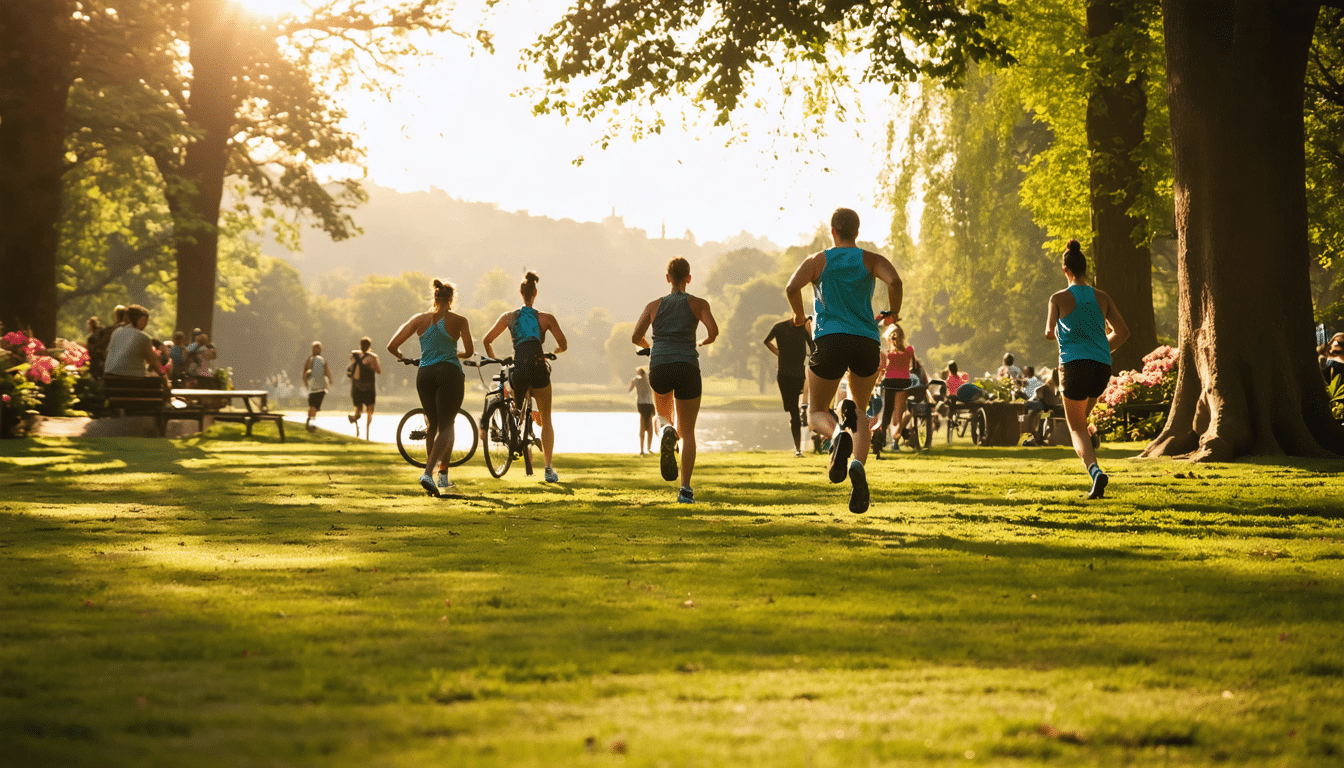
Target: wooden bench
column 149, row 396
column 1134, row 412
column 214, row 401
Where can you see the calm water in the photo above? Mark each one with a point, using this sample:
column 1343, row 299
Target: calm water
column 618, row 432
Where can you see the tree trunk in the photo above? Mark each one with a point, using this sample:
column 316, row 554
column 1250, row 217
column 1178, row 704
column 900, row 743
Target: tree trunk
column 1116, row 110
column 212, row 109
column 36, row 49
column 1248, row 382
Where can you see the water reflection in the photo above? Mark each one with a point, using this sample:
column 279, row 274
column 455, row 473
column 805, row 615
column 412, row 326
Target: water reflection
column 618, row 432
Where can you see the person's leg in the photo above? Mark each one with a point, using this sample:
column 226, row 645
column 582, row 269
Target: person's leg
column 687, row 413
column 888, row 406
column 427, row 388
column 819, row 394
column 898, row 411
column 542, row 397
column 368, row 420
column 1075, row 414
column 861, row 389
column 448, row 399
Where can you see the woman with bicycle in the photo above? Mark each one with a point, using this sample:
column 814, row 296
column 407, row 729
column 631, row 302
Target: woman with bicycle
column 531, row 373
column 439, row 381
column 674, row 368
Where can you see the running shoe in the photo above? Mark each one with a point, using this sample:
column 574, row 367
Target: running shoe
column 352, row 419
column 427, row 483
column 444, row 482
column 858, row 494
column 551, row 477
column 669, row 453
column 842, row 447
column 797, row 454
column 1099, row 486
column 849, row 416
column 686, row 496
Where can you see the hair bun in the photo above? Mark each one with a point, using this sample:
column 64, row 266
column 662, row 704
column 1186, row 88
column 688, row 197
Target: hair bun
column 1073, row 247
column 532, row 277
column 438, row 283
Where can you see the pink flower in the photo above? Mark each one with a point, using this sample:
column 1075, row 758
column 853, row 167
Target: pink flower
column 5, row 398
column 41, row 369
column 15, row 339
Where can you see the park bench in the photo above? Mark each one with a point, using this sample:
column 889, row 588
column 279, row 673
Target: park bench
column 214, row 402
column 1130, row 413
column 148, row 396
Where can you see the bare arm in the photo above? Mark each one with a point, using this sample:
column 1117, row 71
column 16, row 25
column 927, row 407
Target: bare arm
column 1051, row 318
column 307, row 366
column 808, row 272
column 1119, row 331
column 377, row 364
column 642, row 326
column 705, row 316
column 500, row 325
column 549, row 323
column 403, row 333
column 769, row 344
column 464, row 336
column 883, row 270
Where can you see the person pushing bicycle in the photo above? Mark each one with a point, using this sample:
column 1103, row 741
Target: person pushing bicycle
column 531, row 373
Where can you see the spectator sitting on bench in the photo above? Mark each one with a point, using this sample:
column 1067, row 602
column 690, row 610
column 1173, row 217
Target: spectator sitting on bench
column 200, row 364
column 1008, row 370
column 130, row 351
column 954, row 378
column 1332, row 357
column 1043, row 399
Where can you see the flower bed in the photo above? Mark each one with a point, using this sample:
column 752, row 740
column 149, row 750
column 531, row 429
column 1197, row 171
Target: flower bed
column 1155, row 384
column 52, row 381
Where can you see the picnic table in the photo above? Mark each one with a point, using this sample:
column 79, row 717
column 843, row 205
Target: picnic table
column 214, row 403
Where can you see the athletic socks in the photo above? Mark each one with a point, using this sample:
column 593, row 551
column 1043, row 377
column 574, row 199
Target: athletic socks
column 1099, row 481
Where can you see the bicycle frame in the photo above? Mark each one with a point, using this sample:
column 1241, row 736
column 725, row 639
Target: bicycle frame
column 518, row 426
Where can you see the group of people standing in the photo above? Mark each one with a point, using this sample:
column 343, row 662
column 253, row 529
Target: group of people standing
column 841, row 341
column 124, row 349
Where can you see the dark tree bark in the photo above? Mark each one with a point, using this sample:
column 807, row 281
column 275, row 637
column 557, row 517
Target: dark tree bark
column 194, row 197
column 1116, row 110
column 1248, row 382
column 36, row 44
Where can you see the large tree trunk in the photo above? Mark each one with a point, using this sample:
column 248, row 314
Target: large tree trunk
column 212, row 109
column 1248, row 382
column 35, row 78
column 1116, row 110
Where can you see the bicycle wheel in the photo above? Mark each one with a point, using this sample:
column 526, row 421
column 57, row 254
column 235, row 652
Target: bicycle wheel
column 465, row 439
column 411, row 438
column 978, row 427
column 498, row 438
column 924, row 428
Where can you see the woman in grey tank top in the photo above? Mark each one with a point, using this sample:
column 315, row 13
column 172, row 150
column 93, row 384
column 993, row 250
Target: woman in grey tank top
column 674, row 369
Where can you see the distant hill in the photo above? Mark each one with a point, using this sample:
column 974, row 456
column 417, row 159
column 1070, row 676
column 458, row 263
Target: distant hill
column 582, row 264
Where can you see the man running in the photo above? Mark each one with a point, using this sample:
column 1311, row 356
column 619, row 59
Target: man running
column 792, row 344
column 847, row 342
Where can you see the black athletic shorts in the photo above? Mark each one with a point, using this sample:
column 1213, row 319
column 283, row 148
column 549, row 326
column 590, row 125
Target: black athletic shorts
column 315, row 399
column 646, row 410
column 1085, row 379
column 790, row 389
column 681, row 379
column 896, row 385
column 441, row 387
column 530, row 371
column 364, row 397
column 840, row 352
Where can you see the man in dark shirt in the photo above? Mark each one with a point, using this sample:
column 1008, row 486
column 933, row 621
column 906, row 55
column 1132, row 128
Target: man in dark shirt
column 792, row 343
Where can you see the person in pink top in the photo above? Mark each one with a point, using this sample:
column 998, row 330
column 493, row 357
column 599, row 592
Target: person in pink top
column 953, row 378
column 896, row 380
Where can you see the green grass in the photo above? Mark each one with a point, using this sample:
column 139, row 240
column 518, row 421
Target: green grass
column 220, row 602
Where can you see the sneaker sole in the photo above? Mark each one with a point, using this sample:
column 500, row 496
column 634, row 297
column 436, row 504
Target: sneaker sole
column 858, row 496
column 428, row 485
column 1099, row 487
column 841, row 450
column 849, row 416
column 668, row 451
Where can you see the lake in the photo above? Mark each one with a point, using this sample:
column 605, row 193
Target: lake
column 615, row 432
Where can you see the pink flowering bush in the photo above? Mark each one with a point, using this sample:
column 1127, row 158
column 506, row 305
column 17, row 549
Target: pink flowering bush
column 35, row 378
column 1156, row 383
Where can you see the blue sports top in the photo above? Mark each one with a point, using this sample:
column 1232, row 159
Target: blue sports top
column 525, row 326
column 438, row 346
column 674, row 331
column 843, row 296
column 1082, row 334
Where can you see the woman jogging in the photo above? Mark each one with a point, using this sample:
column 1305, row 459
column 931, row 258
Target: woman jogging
column 644, row 402
column 674, row 368
column 896, row 383
column 1079, row 319
column 531, row 374
column 439, row 382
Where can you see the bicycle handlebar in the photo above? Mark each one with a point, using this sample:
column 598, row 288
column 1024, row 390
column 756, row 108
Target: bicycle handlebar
column 646, row 352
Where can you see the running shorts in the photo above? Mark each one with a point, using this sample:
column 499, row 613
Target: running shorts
column 315, row 399
column 646, row 410
column 531, row 372
column 1085, row 379
column 363, row 397
column 840, row 352
column 441, row 387
column 790, row 389
column 895, row 385
column 681, row 379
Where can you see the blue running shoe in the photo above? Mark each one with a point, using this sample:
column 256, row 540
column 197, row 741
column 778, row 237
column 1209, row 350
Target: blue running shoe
column 686, row 496
column 427, row 483
column 1099, row 486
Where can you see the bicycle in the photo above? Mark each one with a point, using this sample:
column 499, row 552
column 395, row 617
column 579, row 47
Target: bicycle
column 412, row 429
column 506, row 428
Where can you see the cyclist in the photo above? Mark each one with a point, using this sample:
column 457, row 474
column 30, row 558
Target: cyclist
column 531, row 372
column 439, row 381
column 674, row 368
column 843, row 279
column 1078, row 318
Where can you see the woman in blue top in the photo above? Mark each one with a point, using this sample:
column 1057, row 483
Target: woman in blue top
column 1088, row 327
column 531, row 374
column 674, row 368
column 439, row 381
column 846, row 335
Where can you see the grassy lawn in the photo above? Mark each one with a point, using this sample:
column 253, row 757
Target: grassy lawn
column 224, row 602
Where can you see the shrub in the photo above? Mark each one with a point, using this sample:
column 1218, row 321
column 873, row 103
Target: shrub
column 34, row 378
column 1156, row 383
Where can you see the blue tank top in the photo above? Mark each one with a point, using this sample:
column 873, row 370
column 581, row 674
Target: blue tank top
column 843, row 297
column 438, row 346
column 1082, row 335
column 525, row 326
column 674, row 331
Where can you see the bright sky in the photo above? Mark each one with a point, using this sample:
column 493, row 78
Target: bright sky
column 454, row 125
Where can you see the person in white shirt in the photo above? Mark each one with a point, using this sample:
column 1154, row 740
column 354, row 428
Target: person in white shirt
column 130, row 351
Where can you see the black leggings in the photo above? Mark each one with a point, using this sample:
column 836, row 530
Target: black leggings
column 440, row 387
